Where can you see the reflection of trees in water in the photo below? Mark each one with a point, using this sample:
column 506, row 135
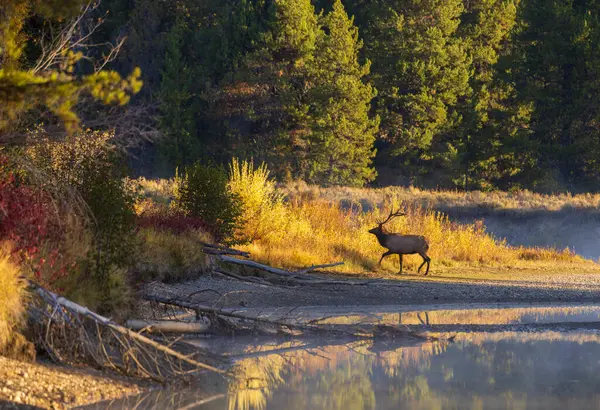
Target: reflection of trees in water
column 508, row 370
column 332, row 377
column 505, row 373
column 393, row 361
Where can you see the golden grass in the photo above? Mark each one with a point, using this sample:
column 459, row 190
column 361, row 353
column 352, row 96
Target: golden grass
column 167, row 256
column 441, row 199
column 316, row 226
column 263, row 210
column 13, row 298
column 319, row 232
column 160, row 191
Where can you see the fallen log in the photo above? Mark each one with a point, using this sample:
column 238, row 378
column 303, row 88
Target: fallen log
column 222, row 250
column 167, row 326
column 249, row 279
column 298, row 277
column 315, row 267
column 281, row 272
column 255, row 265
column 226, row 312
column 359, row 330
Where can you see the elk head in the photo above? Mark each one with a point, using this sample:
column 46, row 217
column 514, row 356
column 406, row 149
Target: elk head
column 378, row 230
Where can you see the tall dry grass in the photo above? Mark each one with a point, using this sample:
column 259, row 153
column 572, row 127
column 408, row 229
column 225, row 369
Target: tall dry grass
column 312, row 226
column 522, row 200
column 263, row 209
column 13, row 298
column 320, row 232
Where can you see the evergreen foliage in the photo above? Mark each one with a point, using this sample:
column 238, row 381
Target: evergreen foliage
column 478, row 94
column 340, row 148
column 203, row 193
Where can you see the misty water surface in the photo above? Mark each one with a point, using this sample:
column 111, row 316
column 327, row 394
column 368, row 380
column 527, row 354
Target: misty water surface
column 546, row 369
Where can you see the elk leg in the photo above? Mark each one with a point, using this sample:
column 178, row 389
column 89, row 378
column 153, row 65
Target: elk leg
column 426, row 260
column 383, row 256
column 400, row 255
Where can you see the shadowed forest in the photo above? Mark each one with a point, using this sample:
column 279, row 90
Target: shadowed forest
column 439, row 94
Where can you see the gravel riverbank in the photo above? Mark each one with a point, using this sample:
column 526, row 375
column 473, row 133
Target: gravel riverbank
column 36, row 385
column 402, row 290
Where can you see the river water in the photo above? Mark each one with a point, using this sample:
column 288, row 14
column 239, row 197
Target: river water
column 554, row 366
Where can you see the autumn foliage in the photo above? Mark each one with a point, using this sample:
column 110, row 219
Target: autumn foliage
column 28, row 220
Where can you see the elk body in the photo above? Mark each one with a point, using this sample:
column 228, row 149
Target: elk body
column 401, row 244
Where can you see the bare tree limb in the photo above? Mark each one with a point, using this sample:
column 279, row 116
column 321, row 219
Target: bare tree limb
column 167, row 326
column 58, row 40
column 315, row 267
column 81, row 310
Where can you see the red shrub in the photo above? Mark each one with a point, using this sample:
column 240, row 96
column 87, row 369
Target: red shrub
column 29, row 221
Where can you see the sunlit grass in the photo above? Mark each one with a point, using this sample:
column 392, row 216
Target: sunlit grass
column 313, row 226
column 318, row 232
column 263, row 210
column 12, row 298
column 518, row 201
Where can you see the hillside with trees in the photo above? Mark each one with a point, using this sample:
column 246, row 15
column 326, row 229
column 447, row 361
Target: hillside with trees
column 452, row 94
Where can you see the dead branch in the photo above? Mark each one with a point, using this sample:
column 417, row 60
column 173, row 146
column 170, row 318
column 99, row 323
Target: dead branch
column 287, row 274
column 255, row 265
column 57, row 39
column 375, row 331
column 249, row 279
column 298, row 278
column 224, row 312
column 215, row 249
column 166, row 326
column 60, row 303
column 315, row 267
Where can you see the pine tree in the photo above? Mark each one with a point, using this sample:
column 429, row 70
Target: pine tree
column 556, row 67
column 483, row 145
column 421, row 71
column 177, row 120
column 262, row 102
column 340, row 148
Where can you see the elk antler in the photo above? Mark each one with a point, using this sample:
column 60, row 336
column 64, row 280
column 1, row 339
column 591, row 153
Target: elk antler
column 391, row 215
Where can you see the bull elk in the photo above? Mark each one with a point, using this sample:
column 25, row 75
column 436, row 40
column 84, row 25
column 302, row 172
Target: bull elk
column 401, row 244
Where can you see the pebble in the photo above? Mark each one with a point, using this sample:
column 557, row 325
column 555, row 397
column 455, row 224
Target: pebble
column 58, row 387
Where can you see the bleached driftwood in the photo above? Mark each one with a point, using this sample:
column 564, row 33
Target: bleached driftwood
column 312, row 327
column 222, row 312
column 299, row 277
column 301, row 274
column 167, row 326
column 249, row 279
